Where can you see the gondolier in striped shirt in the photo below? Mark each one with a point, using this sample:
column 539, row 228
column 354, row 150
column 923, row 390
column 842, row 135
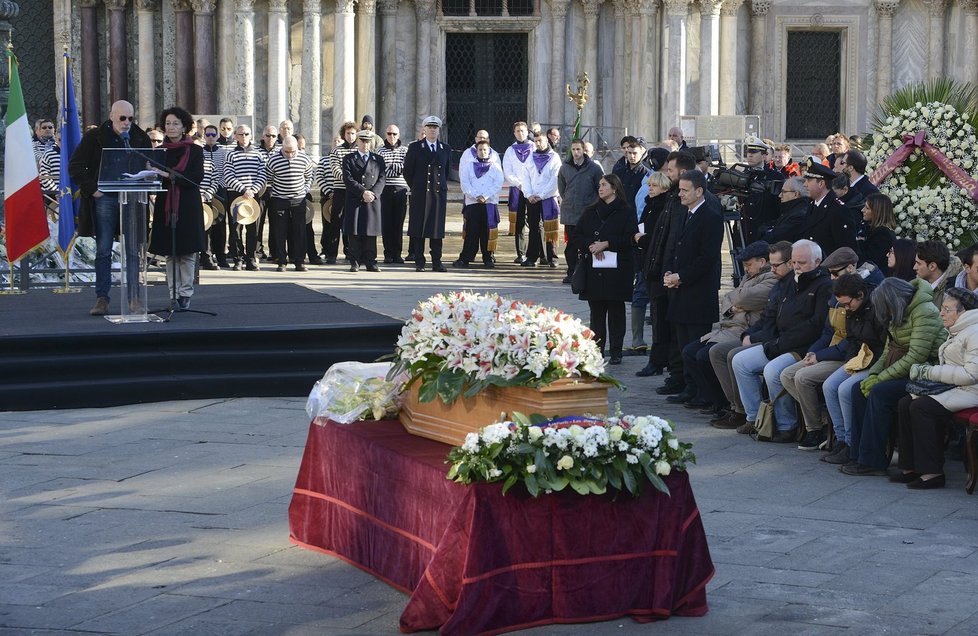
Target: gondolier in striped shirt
column 330, row 240
column 215, row 156
column 290, row 175
column 393, row 201
column 244, row 176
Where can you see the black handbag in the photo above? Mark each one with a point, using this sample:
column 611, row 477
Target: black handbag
column 928, row 387
column 579, row 278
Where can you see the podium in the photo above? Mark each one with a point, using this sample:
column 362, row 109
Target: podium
column 127, row 173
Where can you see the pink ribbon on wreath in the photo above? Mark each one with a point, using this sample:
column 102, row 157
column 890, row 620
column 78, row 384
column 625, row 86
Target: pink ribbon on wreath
column 954, row 172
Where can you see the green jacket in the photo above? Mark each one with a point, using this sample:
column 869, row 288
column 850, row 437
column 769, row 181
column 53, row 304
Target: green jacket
column 921, row 332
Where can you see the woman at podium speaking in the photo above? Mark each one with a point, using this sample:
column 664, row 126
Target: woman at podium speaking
column 178, row 216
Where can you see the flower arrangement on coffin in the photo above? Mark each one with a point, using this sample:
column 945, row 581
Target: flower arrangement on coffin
column 588, row 454
column 460, row 343
column 927, row 203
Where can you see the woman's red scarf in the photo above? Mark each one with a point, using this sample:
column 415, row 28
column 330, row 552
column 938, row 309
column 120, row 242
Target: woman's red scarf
column 173, row 195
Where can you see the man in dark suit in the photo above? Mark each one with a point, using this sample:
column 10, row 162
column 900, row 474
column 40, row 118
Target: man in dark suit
column 693, row 274
column 829, row 222
column 853, row 165
column 426, row 171
column 363, row 176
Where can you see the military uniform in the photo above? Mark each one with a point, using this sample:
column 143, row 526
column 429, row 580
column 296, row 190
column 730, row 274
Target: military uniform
column 829, row 222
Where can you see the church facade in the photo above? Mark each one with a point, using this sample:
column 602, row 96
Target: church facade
column 805, row 68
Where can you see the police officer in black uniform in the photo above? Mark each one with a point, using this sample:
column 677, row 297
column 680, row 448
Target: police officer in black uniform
column 760, row 209
column 829, row 222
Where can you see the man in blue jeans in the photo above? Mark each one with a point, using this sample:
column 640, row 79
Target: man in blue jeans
column 98, row 214
column 800, row 319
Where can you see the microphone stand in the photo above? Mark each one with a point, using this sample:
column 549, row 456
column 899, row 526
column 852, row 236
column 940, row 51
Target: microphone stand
column 174, row 308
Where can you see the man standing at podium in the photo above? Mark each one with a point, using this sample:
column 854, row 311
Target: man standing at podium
column 98, row 213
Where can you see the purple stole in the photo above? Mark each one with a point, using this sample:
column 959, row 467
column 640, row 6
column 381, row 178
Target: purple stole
column 492, row 212
column 522, row 152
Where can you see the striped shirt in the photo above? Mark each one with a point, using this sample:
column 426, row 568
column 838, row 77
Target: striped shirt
column 336, row 163
column 394, row 162
column 244, row 169
column 40, row 147
column 50, row 167
column 289, row 177
column 208, row 185
column 217, row 154
column 324, row 177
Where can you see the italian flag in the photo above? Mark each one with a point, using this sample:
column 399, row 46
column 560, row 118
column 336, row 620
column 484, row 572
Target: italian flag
column 26, row 220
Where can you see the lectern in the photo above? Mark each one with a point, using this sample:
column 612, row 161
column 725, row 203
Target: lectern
column 128, row 173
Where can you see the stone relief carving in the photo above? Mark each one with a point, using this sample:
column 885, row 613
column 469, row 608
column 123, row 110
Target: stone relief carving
column 204, row 6
column 558, row 8
column 387, row 7
column 367, row 7
column 886, row 8
column 676, row 7
column 115, row 5
column 710, row 8
column 424, row 9
column 760, row 7
column 591, row 8
column 731, row 7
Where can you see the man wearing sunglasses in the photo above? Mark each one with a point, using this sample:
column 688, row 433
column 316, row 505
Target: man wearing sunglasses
column 43, row 137
column 98, row 213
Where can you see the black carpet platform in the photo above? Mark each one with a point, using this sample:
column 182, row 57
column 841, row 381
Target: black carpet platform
column 269, row 339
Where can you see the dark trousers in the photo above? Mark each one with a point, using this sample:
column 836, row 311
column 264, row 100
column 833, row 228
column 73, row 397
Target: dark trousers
column 923, row 425
column 363, row 250
column 696, row 363
column 685, row 334
column 393, row 209
column 534, row 219
column 608, row 324
column 287, row 229
column 311, row 252
column 265, row 200
column 872, row 420
column 330, row 241
column 243, row 239
column 476, row 233
column 520, row 227
column 661, row 332
column 571, row 254
column 417, row 248
column 217, row 235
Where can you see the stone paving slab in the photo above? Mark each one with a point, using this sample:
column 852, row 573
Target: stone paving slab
column 171, row 518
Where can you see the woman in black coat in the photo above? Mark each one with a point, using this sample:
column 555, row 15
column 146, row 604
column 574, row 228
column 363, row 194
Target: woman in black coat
column 875, row 238
column 179, row 206
column 607, row 226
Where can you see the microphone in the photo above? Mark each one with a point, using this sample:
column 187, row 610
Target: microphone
column 125, row 141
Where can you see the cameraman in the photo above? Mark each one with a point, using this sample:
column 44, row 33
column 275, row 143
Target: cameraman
column 761, row 207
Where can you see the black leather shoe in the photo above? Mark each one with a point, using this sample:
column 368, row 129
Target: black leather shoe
column 528, row 264
column 280, row 268
column 316, row 261
column 419, row 268
column 901, row 477
column 680, row 398
column 398, row 260
column 696, row 404
column 566, row 280
column 438, row 267
column 354, row 267
column 648, row 371
column 460, row 263
column 518, row 260
column 933, row 482
column 331, row 261
column 373, row 268
column 300, row 268
column 388, row 260
column 670, row 389
column 615, row 360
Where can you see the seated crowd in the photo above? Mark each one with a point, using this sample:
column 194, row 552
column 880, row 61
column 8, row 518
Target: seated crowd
column 846, row 355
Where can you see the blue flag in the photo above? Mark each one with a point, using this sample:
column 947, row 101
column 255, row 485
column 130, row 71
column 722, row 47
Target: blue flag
column 68, row 199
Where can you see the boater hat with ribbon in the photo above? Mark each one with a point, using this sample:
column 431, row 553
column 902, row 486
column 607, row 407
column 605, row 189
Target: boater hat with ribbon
column 244, row 211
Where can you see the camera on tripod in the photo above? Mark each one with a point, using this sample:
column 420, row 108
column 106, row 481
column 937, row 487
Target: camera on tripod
column 742, row 181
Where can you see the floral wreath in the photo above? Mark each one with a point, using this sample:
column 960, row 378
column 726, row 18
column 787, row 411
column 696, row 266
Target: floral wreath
column 933, row 128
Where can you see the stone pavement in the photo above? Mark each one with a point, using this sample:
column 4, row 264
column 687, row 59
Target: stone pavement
column 170, row 518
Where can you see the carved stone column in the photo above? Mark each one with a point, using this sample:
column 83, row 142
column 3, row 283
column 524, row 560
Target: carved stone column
column 424, row 11
column 387, row 109
column 205, row 57
column 118, row 50
column 367, row 58
column 91, row 88
column 884, row 58
column 710, row 57
column 278, row 61
column 184, row 59
column 759, row 62
column 146, row 109
column 591, row 9
column 648, row 112
column 620, row 79
column 674, row 56
column 935, row 56
column 558, row 73
column 310, row 115
column 634, row 88
column 243, row 89
column 728, row 56
column 970, row 9
column 344, row 68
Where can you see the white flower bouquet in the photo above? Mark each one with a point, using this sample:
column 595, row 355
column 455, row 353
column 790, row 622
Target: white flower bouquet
column 588, row 454
column 353, row 391
column 462, row 342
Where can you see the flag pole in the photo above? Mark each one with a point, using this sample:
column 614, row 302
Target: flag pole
column 66, row 254
column 12, row 291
